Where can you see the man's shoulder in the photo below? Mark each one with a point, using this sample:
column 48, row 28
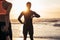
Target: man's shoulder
column 33, row 11
column 23, row 12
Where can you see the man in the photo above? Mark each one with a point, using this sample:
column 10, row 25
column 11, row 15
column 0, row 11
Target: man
column 5, row 24
column 28, row 26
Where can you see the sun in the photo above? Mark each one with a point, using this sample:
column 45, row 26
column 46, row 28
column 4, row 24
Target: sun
column 20, row 5
column 41, row 7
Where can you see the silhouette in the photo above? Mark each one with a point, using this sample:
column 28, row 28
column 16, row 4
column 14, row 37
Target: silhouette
column 28, row 26
column 5, row 25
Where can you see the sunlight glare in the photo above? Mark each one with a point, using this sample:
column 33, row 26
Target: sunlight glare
column 20, row 5
column 41, row 7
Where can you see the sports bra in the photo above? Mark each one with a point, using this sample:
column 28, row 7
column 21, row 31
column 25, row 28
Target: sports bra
column 2, row 10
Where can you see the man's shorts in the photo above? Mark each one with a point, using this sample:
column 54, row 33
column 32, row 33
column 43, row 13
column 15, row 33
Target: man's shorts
column 27, row 30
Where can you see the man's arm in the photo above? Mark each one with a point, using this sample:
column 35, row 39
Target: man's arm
column 19, row 18
column 36, row 15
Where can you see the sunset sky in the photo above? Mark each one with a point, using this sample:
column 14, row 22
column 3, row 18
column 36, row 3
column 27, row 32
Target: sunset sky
column 45, row 8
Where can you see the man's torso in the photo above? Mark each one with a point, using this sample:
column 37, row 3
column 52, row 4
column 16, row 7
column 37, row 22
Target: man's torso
column 28, row 18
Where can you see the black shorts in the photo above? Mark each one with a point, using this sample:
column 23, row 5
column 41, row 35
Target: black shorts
column 2, row 34
column 27, row 30
column 2, row 24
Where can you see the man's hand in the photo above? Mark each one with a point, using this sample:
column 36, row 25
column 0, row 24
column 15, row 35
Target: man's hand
column 22, row 23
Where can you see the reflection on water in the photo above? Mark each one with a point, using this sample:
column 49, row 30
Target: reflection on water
column 46, row 30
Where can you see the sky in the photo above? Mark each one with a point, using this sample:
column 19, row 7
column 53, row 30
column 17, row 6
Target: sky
column 45, row 8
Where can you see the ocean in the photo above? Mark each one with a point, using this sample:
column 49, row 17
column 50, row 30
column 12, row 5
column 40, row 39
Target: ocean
column 42, row 31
